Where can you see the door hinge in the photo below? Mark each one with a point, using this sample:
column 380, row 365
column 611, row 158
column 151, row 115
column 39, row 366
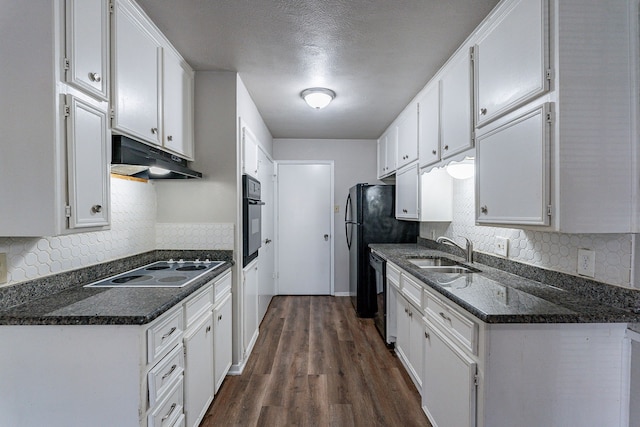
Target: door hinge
column 66, row 63
column 67, row 110
column 549, row 74
column 472, row 53
column 67, row 211
column 548, row 210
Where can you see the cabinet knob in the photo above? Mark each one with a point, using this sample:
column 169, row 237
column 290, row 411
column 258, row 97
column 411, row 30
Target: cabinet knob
column 208, row 329
column 445, row 317
column 170, row 138
column 434, row 152
column 95, row 77
column 426, row 335
column 96, row 209
column 483, row 111
column 484, row 209
column 220, row 317
column 446, row 147
column 154, row 130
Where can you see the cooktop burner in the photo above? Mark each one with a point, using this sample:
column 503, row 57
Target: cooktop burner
column 161, row 274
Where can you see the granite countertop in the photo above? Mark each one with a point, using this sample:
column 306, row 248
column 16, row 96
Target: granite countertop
column 495, row 296
column 77, row 305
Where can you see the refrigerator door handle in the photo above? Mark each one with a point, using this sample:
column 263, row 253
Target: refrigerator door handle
column 347, row 208
column 347, row 234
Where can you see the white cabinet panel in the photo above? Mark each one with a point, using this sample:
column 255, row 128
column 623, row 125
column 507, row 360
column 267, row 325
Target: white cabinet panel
column 407, row 150
column 222, row 346
column 429, row 125
column 449, row 390
column 198, row 373
column 87, row 45
column 436, row 196
column 177, row 105
column 88, row 154
column 136, row 65
column 408, row 339
column 512, row 171
column 455, row 113
column 250, row 164
column 407, row 192
column 249, row 307
column 511, row 60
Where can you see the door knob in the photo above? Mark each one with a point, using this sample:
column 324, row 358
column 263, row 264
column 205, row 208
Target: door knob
column 326, row 237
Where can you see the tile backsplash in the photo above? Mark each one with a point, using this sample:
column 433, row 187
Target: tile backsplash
column 133, row 230
column 553, row 251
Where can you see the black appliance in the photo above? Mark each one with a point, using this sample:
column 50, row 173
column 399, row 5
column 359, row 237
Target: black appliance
column 132, row 158
column 251, row 218
column 370, row 218
column 379, row 266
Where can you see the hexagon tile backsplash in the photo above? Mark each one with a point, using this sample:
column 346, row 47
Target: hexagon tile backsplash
column 133, row 230
column 553, row 251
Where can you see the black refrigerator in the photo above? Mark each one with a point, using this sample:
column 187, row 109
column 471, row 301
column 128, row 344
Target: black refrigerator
column 370, row 218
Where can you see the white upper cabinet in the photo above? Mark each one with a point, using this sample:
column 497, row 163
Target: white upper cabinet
column 408, row 137
column 250, row 163
column 137, row 66
column 387, row 145
column 178, row 105
column 429, row 125
column 511, row 65
column 88, row 142
column 408, row 192
column 436, row 196
column 455, row 113
column 152, row 84
column 512, row 185
column 382, row 156
column 87, row 46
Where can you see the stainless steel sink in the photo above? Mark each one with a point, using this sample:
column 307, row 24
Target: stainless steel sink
column 441, row 265
column 450, row 269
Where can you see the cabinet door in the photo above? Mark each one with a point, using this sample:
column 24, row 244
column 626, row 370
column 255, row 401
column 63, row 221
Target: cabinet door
column 408, row 137
column 250, row 306
column 382, row 156
column 407, row 189
column 449, row 390
column 511, row 60
column 416, row 351
column 402, row 325
column 222, row 335
column 136, row 71
column 392, row 154
column 429, row 126
column 198, row 373
column 436, row 196
column 88, row 157
column 513, row 169
column 250, row 153
column 87, row 45
column 178, row 105
column 455, row 114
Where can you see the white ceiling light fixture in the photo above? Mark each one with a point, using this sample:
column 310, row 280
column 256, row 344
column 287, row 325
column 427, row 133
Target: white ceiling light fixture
column 318, row 97
column 463, row 169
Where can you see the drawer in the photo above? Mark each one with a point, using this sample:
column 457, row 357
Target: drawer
column 393, row 275
column 459, row 326
column 412, row 290
column 180, row 422
column 198, row 304
column 164, row 374
column 170, row 409
column 164, row 334
column 223, row 286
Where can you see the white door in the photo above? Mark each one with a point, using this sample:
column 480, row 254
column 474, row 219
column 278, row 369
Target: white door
column 266, row 260
column 305, row 228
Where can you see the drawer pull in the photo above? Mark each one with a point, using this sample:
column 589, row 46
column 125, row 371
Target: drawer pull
column 445, row 317
column 208, row 329
column 426, row 335
column 173, row 408
column 168, row 334
column 220, row 317
column 173, row 368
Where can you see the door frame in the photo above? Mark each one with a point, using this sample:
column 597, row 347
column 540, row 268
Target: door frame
column 276, row 230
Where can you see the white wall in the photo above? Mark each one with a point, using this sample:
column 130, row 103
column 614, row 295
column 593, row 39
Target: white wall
column 553, row 251
column 251, row 117
column 354, row 162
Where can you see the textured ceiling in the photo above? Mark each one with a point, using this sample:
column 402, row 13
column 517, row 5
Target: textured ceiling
column 375, row 54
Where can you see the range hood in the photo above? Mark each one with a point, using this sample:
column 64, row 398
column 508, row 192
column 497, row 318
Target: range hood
column 132, row 158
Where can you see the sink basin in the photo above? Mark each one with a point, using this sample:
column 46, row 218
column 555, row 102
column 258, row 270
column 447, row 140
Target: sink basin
column 441, row 265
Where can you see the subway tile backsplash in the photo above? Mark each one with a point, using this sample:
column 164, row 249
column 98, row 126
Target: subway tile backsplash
column 553, row 251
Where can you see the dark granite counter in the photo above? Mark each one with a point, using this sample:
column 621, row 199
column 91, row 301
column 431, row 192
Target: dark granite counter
column 496, row 296
column 61, row 299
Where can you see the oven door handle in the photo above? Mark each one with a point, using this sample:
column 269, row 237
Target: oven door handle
column 256, row 202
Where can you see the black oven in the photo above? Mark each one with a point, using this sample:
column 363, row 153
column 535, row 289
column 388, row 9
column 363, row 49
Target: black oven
column 251, row 218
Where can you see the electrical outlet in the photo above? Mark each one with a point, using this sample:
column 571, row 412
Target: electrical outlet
column 502, row 246
column 586, row 263
column 3, row 268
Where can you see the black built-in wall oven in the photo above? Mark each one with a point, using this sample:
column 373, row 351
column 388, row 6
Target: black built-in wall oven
column 251, row 219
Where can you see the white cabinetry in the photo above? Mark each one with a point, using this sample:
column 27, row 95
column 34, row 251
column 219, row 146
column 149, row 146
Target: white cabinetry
column 408, row 192
column 42, row 190
column 152, row 85
column 250, row 164
column 407, row 150
column 87, row 45
column 222, row 329
column 455, row 113
column 517, row 148
column 436, row 196
column 249, row 298
column 429, row 125
column 387, row 145
column 511, row 60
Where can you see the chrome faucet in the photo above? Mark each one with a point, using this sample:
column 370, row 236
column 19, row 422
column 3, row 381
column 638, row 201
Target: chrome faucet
column 468, row 251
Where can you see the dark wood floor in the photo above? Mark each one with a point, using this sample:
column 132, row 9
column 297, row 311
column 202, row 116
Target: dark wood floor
column 317, row 364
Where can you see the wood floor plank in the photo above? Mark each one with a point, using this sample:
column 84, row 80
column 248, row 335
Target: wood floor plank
column 316, row 364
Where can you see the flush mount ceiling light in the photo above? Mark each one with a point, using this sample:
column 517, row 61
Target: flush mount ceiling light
column 463, row 169
column 318, row 97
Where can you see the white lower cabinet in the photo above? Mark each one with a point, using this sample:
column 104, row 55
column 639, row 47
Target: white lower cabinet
column 249, row 295
column 409, row 342
column 199, row 379
column 222, row 330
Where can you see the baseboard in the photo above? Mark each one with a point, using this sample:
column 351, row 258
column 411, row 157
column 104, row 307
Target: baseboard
column 341, row 294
